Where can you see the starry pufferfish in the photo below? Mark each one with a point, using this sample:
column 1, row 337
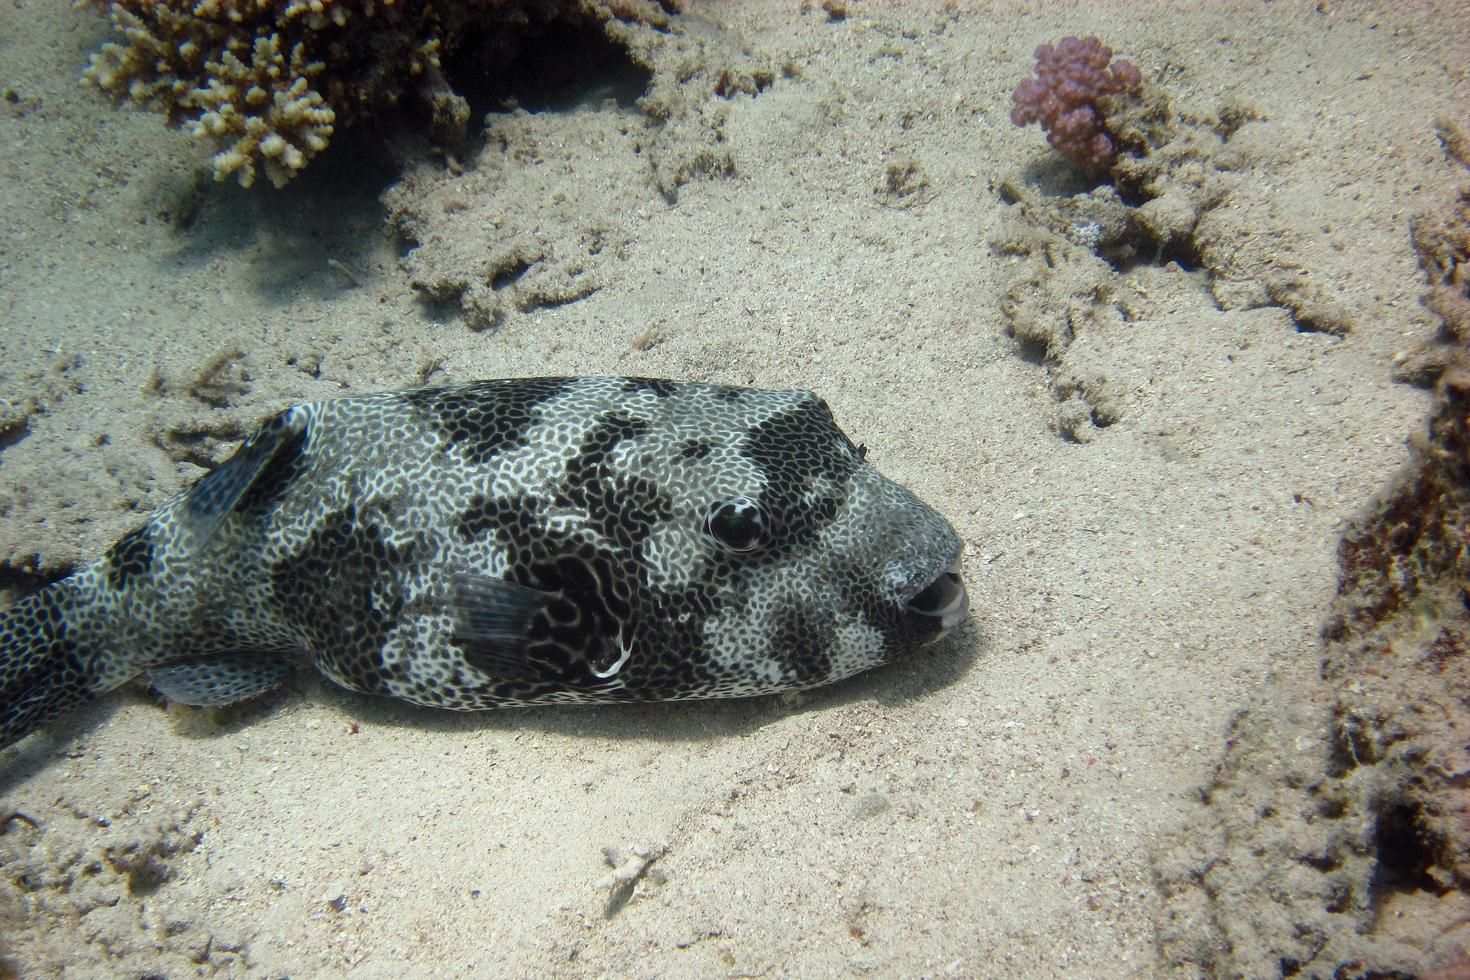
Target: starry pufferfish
column 502, row 543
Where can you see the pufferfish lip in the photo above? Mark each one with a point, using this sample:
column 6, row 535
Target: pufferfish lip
column 944, row 599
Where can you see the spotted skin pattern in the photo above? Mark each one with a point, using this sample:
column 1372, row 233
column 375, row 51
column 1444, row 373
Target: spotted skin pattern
column 506, row 543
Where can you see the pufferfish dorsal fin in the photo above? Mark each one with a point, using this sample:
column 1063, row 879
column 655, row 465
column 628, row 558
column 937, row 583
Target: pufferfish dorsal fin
column 220, row 491
column 492, row 623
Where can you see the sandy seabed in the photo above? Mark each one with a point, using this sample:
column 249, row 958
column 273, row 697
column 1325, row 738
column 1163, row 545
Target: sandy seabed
column 1152, row 494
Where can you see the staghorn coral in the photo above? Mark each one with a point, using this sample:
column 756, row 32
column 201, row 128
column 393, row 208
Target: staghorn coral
column 1072, row 96
column 270, row 81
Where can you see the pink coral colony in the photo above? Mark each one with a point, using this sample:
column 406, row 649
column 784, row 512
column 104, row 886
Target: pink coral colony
column 1069, row 98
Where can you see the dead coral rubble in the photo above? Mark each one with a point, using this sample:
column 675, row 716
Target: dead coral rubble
column 519, row 228
column 90, row 894
column 1442, row 242
column 1181, row 187
column 1334, row 840
column 270, row 81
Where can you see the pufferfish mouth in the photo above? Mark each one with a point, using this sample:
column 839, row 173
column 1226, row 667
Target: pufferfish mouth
column 944, row 599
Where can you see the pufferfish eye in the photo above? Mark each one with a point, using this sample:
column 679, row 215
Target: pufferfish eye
column 737, row 525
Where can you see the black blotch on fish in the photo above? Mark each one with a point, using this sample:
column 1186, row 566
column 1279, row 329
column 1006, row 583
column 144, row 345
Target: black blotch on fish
column 785, row 452
column 802, row 633
column 131, row 558
column 484, row 419
column 337, row 593
column 620, row 505
column 502, row 520
column 661, row 387
column 578, row 633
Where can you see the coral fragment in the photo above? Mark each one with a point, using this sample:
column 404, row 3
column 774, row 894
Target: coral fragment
column 1072, row 95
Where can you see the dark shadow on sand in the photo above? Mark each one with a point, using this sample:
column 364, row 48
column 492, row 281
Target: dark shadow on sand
column 322, row 233
column 328, row 230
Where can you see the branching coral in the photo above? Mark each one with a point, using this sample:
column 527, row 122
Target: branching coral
column 270, row 81
column 1071, row 98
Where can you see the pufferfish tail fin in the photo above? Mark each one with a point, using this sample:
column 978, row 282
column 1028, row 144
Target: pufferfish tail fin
column 56, row 645
column 45, row 668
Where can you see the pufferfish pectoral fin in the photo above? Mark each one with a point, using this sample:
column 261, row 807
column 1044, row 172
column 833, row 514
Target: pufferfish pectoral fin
column 218, row 679
column 272, row 448
column 492, row 623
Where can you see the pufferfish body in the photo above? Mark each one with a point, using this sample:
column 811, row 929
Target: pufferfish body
column 501, row 543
